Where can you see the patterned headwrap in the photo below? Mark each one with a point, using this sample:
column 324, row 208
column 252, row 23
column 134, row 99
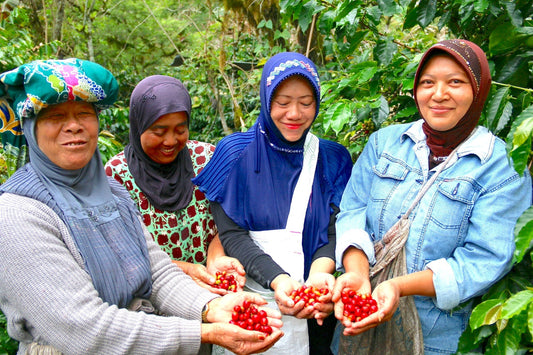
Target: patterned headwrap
column 103, row 224
column 31, row 87
column 474, row 62
column 12, row 140
column 252, row 175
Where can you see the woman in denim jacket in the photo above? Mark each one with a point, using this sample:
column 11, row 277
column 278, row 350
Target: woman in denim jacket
column 461, row 236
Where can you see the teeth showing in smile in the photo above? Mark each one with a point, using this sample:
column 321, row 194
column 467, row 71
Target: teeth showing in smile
column 75, row 144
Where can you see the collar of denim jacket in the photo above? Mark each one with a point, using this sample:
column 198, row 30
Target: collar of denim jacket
column 481, row 143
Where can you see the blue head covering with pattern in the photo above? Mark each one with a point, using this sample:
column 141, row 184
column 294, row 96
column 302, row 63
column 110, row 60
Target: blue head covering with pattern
column 252, row 175
column 102, row 218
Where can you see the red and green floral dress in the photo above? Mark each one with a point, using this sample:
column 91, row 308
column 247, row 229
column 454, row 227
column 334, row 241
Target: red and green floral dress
column 184, row 234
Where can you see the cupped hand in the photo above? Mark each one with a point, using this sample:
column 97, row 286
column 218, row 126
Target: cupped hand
column 238, row 340
column 352, row 281
column 283, row 285
column 221, row 308
column 230, row 266
column 387, row 296
column 199, row 274
column 321, row 281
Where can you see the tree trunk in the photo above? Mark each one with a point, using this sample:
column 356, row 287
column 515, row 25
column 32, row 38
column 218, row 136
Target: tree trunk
column 58, row 21
column 38, row 31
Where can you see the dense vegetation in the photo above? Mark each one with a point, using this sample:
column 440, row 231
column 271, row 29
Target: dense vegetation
column 366, row 51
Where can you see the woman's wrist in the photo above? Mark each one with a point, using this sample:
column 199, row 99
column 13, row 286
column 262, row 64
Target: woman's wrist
column 205, row 312
column 208, row 334
column 209, row 311
column 274, row 284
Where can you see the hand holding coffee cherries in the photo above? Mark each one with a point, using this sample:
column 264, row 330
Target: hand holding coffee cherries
column 321, row 281
column 284, row 286
column 358, row 306
column 222, row 330
column 229, row 275
column 248, row 316
column 386, row 296
column 225, row 281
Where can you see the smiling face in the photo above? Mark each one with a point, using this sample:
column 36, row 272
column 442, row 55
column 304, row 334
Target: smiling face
column 444, row 93
column 166, row 137
column 293, row 107
column 68, row 133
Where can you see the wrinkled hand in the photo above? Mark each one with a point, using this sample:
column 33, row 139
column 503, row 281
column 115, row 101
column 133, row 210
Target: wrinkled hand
column 221, row 308
column 387, row 296
column 199, row 274
column 322, row 309
column 352, row 281
column 283, row 285
column 240, row 341
column 234, row 338
column 231, row 266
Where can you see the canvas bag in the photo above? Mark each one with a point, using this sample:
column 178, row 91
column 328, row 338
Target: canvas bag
column 402, row 334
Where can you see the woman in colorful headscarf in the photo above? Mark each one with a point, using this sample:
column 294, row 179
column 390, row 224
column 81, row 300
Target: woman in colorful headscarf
column 275, row 191
column 157, row 166
column 80, row 272
column 460, row 240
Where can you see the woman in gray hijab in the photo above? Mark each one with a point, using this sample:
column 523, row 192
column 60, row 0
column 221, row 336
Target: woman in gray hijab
column 157, row 166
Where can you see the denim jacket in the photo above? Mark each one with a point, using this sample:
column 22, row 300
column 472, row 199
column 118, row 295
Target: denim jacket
column 462, row 229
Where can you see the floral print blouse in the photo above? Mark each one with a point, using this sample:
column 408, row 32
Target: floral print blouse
column 184, row 234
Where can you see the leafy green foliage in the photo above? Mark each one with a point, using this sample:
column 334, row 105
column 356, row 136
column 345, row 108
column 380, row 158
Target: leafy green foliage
column 7, row 345
column 367, row 53
column 502, row 322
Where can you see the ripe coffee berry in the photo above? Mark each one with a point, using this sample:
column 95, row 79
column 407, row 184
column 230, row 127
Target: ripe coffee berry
column 308, row 294
column 248, row 317
column 225, row 281
column 358, row 306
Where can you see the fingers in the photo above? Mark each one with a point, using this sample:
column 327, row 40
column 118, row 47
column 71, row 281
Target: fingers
column 237, row 266
column 338, row 309
column 199, row 273
column 244, row 341
column 252, row 297
column 265, row 342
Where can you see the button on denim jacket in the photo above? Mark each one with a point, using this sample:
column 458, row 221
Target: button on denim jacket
column 462, row 229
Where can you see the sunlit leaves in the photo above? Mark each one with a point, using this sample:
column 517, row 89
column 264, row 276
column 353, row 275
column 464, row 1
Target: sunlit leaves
column 487, row 312
column 421, row 13
column 516, row 304
column 524, row 235
column 505, row 37
column 519, row 139
column 389, row 7
column 338, row 115
column 495, row 107
column 385, row 51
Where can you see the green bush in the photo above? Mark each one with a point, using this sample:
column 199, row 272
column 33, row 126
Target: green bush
column 7, row 345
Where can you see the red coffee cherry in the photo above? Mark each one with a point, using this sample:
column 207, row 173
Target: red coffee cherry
column 308, row 294
column 358, row 306
column 225, row 281
column 248, row 317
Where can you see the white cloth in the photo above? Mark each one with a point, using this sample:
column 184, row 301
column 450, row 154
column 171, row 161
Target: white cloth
column 285, row 248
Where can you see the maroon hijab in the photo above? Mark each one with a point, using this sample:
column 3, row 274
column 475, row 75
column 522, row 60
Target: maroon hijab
column 473, row 60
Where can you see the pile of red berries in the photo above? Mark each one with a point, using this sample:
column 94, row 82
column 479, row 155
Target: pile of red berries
column 358, row 306
column 308, row 294
column 247, row 316
column 225, row 281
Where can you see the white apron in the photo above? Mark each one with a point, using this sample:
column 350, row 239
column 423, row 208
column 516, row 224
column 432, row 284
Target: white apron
column 285, row 247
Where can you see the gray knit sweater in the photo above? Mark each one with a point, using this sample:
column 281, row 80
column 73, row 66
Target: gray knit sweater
column 48, row 297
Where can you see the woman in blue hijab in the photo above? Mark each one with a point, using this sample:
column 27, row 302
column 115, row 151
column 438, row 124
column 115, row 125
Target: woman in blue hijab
column 275, row 191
